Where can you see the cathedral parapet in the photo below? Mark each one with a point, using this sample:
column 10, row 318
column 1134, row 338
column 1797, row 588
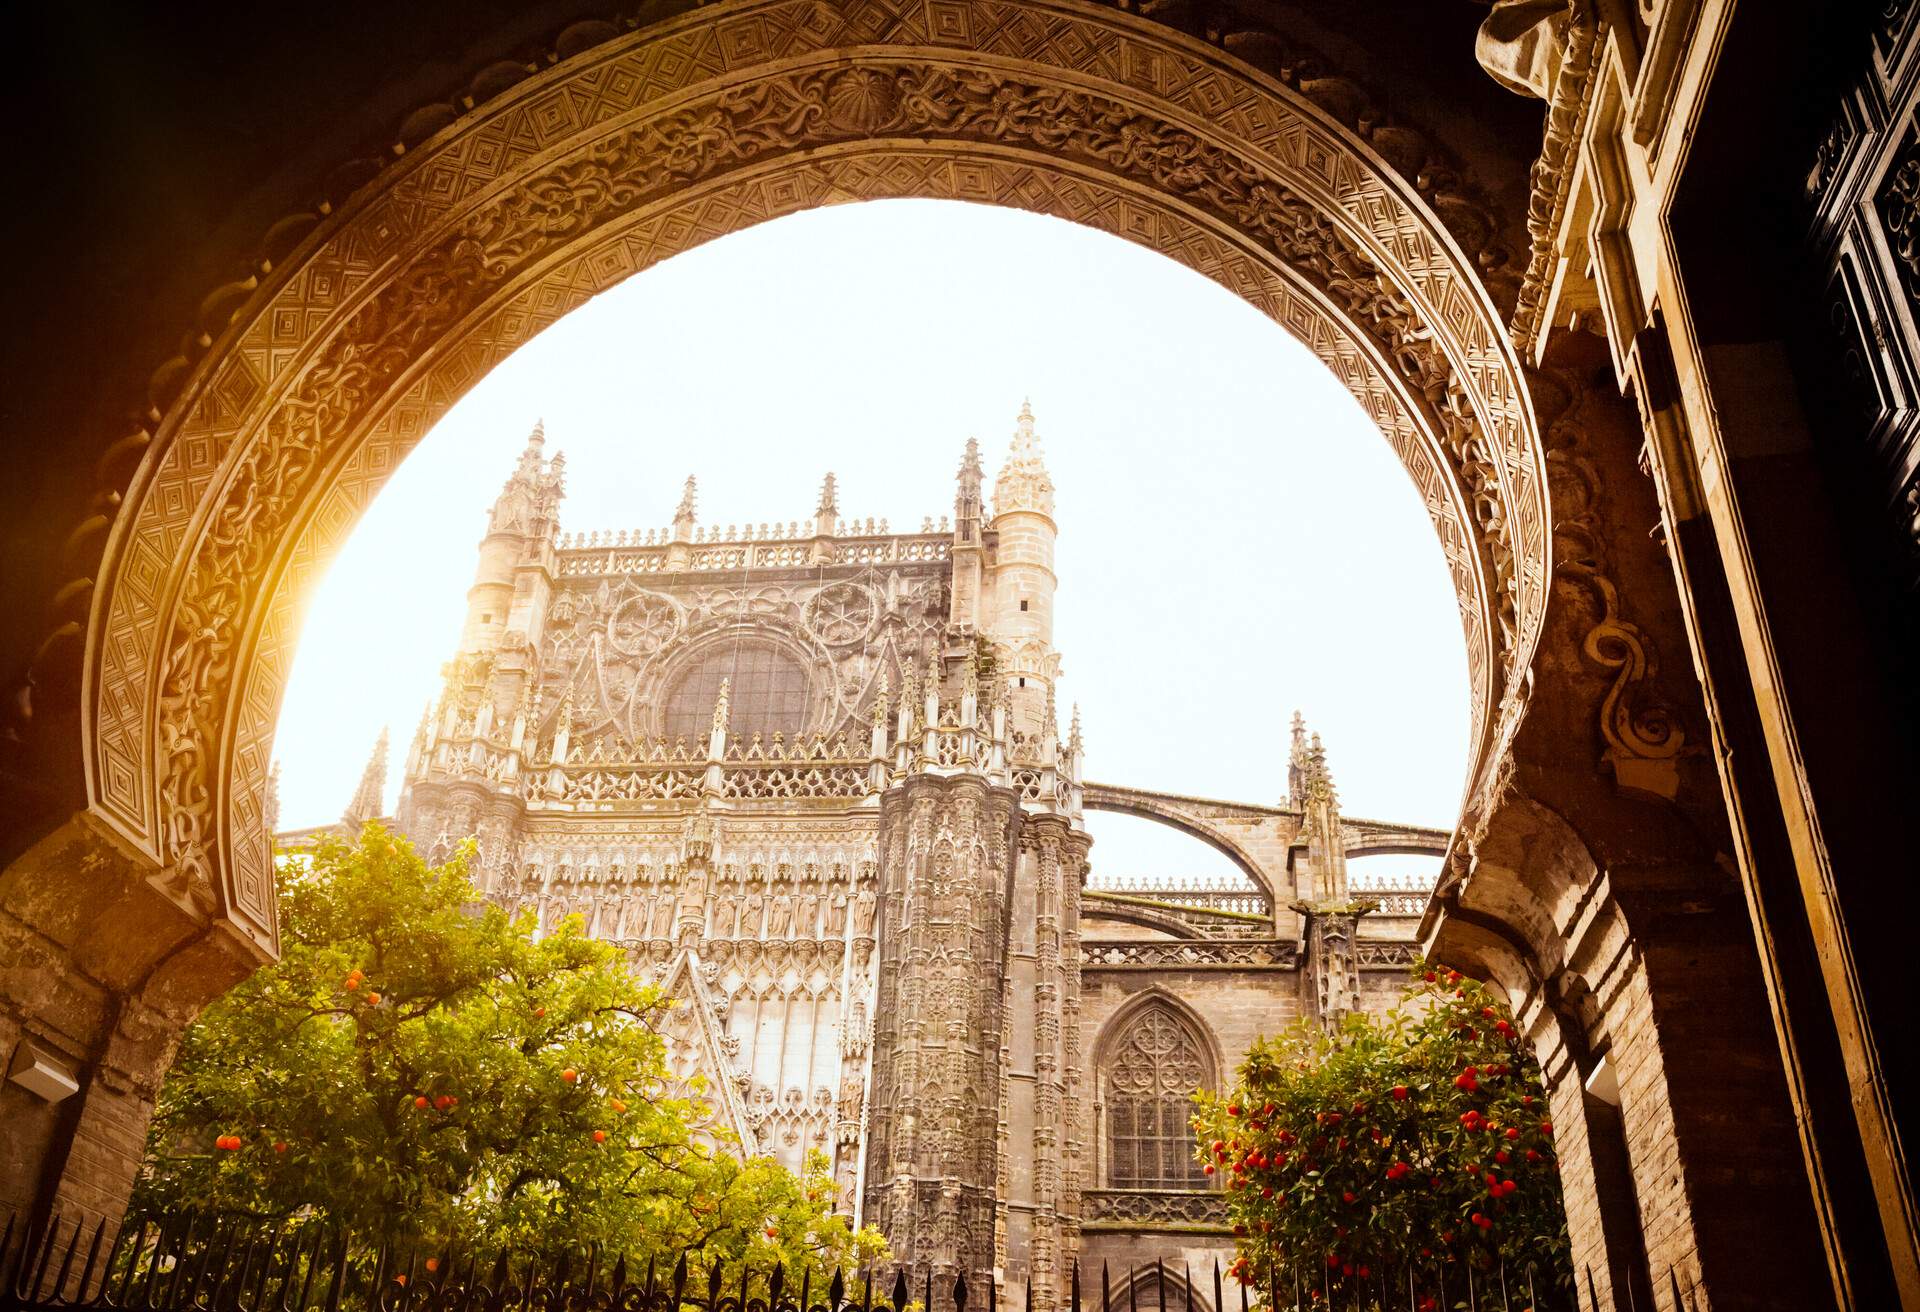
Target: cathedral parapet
column 765, row 546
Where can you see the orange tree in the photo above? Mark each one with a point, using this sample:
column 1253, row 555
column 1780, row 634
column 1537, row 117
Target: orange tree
column 419, row 1067
column 1422, row 1138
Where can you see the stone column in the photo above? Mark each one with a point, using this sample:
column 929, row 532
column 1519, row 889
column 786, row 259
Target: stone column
column 934, row 1150
column 107, row 964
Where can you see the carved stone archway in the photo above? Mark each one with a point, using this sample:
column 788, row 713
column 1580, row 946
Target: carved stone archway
column 656, row 140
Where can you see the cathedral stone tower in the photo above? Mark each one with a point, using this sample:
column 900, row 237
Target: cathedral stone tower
column 812, row 777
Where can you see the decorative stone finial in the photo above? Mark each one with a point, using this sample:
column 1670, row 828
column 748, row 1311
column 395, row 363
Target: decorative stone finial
column 722, row 710
column 685, row 509
column 1074, row 741
column 967, row 502
column 880, row 707
column 530, row 502
column 367, row 798
column 829, row 497
column 1023, row 483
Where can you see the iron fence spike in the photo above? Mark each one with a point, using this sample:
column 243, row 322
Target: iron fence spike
column 93, row 1255
column 66, row 1261
column 44, row 1254
column 835, row 1290
column 900, row 1291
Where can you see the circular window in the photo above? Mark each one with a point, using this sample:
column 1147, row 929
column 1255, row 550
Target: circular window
column 767, row 693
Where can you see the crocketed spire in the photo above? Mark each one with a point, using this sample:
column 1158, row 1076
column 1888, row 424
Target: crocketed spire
column 1023, row 483
column 683, row 513
column 368, row 803
column 529, row 503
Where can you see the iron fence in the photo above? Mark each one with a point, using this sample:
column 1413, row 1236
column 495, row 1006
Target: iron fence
column 200, row 1263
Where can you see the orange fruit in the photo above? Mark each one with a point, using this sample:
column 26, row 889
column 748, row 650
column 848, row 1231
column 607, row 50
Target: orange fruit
column 373, row 999
column 617, row 1105
column 599, row 1136
column 421, row 1101
column 569, row 1075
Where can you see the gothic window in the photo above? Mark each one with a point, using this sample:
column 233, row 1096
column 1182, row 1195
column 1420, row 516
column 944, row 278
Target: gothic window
column 767, row 693
column 1151, row 1073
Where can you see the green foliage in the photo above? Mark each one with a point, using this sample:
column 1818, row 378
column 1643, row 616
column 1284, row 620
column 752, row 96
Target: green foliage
column 418, row 1065
column 1423, row 1138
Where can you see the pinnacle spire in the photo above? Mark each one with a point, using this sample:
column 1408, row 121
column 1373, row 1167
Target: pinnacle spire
column 529, row 501
column 1299, row 763
column 368, row 798
column 829, row 497
column 1024, row 483
column 966, row 498
column 688, row 494
column 1074, row 741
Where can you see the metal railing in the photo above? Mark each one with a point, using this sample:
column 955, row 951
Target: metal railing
column 197, row 1263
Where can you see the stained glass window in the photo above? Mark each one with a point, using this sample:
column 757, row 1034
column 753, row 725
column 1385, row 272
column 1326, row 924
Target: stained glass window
column 1150, row 1078
column 767, row 693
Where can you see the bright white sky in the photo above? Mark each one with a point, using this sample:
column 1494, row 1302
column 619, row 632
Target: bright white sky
column 1236, row 539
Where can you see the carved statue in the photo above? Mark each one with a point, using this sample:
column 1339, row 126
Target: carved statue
column 780, row 914
column 837, row 914
column 863, row 912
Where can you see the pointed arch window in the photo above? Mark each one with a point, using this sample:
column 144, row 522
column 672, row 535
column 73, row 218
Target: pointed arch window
column 1152, row 1069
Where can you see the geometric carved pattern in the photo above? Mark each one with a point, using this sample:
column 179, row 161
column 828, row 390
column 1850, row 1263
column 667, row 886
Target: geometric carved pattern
column 666, row 137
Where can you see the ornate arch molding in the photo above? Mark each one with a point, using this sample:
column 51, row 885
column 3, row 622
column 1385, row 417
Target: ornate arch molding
column 1156, row 996
column 662, row 138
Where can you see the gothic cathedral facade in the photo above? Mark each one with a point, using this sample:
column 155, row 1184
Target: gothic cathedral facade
column 813, row 777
